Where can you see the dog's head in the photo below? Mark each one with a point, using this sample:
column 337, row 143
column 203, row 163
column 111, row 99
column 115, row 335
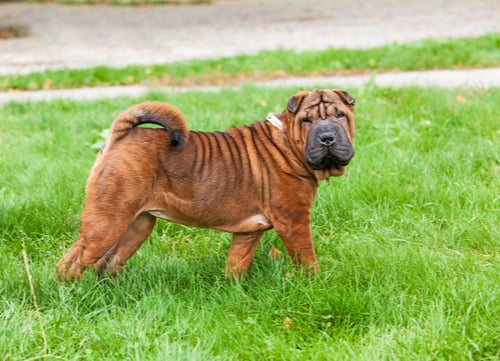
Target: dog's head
column 321, row 124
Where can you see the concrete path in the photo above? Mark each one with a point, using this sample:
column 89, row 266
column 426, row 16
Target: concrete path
column 83, row 36
column 478, row 78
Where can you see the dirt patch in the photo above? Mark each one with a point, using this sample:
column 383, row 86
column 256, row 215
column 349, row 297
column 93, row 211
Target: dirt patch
column 13, row 31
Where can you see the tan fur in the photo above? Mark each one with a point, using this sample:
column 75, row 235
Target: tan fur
column 245, row 180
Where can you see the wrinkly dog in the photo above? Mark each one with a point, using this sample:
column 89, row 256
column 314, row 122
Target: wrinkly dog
column 245, row 180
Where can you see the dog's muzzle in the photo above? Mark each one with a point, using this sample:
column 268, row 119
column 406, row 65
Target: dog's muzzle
column 328, row 146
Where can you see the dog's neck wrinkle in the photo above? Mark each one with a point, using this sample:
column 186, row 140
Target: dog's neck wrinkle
column 297, row 154
column 287, row 156
column 300, row 166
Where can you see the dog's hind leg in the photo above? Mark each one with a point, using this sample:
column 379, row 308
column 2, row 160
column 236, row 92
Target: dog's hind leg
column 241, row 253
column 100, row 230
column 114, row 260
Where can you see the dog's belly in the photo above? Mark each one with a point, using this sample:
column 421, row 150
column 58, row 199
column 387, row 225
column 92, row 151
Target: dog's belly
column 254, row 223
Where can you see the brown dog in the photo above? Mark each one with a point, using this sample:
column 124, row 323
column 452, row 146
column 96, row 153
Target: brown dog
column 245, row 180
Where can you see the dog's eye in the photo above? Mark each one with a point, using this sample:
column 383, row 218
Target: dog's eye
column 306, row 121
column 340, row 116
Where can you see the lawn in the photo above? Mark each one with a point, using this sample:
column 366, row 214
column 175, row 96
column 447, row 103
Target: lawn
column 427, row 54
column 407, row 241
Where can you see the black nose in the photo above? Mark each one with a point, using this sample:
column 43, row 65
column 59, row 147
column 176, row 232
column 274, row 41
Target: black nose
column 328, row 138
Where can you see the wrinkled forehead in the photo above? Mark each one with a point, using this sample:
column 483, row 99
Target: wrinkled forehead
column 320, row 104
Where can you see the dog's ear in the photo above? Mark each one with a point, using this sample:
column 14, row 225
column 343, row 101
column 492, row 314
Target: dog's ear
column 295, row 101
column 346, row 98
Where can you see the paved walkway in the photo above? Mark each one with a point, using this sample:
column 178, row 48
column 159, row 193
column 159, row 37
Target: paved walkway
column 84, row 36
column 478, row 78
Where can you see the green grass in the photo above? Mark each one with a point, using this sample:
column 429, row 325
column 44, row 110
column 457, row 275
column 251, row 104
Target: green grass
column 407, row 241
column 483, row 51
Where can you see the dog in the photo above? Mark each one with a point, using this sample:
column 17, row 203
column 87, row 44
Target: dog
column 245, row 180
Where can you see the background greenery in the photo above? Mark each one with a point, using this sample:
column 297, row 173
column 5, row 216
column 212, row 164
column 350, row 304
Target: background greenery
column 407, row 242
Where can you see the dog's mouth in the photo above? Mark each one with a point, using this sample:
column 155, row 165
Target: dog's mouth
column 328, row 147
column 321, row 157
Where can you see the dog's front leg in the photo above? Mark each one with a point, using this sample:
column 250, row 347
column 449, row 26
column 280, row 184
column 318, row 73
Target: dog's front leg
column 241, row 253
column 297, row 238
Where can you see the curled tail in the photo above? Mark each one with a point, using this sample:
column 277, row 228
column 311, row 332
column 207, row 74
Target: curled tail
column 162, row 114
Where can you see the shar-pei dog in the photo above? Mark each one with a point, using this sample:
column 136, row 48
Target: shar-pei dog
column 245, row 180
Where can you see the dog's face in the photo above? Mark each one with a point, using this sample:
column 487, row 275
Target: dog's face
column 323, row 128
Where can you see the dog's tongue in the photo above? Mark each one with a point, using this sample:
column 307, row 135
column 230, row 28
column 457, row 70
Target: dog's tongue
column 330, row 172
